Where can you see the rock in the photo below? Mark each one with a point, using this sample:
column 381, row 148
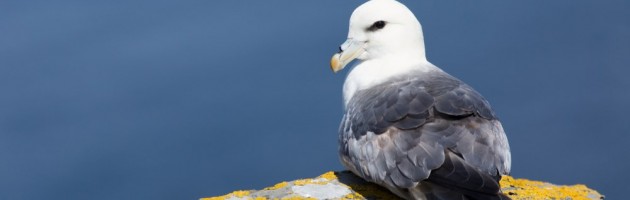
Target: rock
column 345, row 186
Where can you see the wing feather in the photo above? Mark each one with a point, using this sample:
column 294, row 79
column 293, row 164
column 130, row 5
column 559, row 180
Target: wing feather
column 397, row 133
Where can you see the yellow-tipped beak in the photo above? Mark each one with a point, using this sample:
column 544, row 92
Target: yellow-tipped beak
column 350, row 50
column 335, row 65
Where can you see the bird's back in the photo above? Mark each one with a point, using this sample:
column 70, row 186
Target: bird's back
column 425, row 135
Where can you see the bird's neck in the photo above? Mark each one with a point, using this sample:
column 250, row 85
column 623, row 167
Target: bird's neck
column 411, row 48
column 375, row 71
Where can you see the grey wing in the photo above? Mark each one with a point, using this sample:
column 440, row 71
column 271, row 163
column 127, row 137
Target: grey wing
column 396, row 134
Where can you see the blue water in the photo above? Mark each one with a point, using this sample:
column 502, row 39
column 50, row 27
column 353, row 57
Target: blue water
column 186, row 99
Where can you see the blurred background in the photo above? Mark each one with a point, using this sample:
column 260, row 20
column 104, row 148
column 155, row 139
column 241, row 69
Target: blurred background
column 187, row 99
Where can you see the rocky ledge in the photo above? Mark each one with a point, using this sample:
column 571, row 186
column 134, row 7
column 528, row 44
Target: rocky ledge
column 345, row 185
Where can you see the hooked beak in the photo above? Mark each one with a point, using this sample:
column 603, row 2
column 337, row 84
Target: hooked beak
column 349, row 51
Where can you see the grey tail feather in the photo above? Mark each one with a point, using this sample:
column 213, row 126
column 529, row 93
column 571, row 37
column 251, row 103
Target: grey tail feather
column 456, row 179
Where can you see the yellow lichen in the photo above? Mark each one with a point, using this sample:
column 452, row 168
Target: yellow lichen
column 215, row 198
column 238, row 193
column 320, row 180
column 278, row 186
column 353, row 196
column 526, row 189
column 302, row 181
column 515, row 188
column 311, row 181
column 329, row 176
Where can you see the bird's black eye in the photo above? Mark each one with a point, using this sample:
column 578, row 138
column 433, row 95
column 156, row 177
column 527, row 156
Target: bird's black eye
column 377, row 25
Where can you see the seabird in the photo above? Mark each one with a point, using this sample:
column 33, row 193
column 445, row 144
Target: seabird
column 408, row 125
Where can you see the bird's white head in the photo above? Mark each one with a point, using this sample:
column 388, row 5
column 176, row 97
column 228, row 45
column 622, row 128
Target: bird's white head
column 381, row 28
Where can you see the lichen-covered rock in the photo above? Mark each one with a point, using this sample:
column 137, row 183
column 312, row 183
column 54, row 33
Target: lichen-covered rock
column 527, row 189
column 345, row 185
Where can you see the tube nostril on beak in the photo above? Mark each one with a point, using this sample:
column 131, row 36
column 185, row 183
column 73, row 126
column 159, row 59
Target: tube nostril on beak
column 340, row 50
